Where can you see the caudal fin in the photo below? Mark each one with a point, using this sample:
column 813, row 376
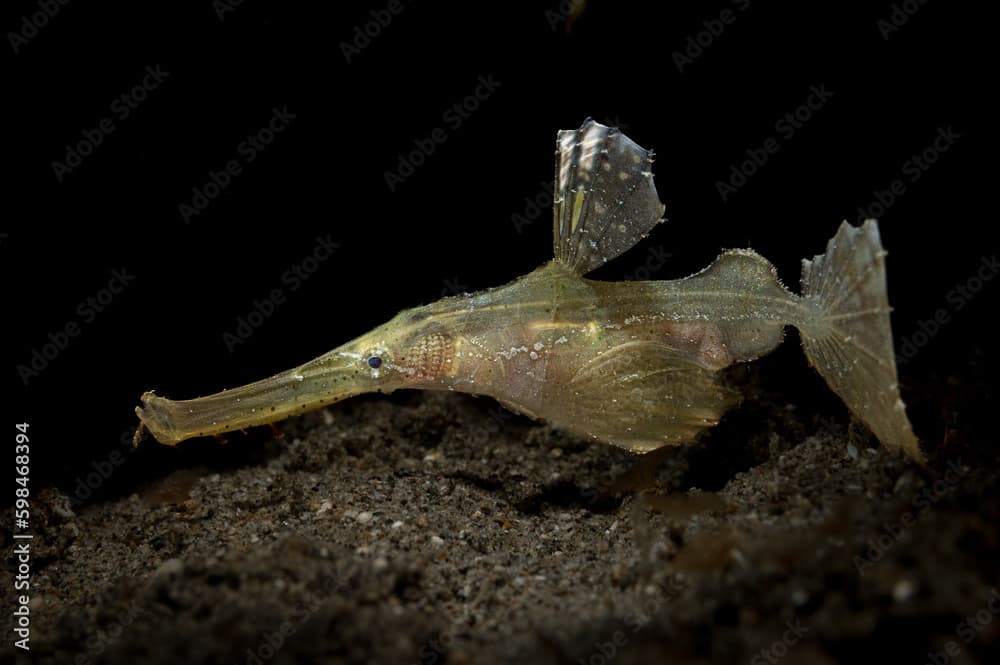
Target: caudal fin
column 849, row 339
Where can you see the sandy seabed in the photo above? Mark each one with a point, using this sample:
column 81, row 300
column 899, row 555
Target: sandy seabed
column 439, row 528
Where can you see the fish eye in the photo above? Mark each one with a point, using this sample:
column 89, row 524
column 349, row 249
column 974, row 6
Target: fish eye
column 374, row 362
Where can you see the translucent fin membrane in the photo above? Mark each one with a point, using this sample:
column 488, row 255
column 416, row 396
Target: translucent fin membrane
column 850, row 340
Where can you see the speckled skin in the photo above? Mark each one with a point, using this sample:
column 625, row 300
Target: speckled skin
column 635, row 364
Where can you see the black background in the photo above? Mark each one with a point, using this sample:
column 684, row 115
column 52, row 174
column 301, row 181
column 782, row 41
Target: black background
column 450, row 223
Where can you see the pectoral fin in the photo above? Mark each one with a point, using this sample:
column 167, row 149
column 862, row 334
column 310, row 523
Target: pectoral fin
column 604, row 199
column 640, row 395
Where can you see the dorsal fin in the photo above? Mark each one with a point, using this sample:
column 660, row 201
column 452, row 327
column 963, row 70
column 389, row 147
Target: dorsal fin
column 604, row 199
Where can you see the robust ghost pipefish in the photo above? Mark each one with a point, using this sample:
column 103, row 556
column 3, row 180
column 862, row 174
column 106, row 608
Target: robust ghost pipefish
column 634, row 364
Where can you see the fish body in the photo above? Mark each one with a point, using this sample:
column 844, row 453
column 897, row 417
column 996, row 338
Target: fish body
column 634, row 364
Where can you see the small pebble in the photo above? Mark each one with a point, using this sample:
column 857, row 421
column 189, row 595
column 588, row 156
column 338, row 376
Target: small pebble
column 903, row 590
column 169, row 567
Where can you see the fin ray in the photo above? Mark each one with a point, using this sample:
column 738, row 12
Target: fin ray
column 641, row 396
column 850, row 339
column 605, row 200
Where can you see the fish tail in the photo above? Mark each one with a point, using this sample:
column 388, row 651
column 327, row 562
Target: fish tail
column 847, row 336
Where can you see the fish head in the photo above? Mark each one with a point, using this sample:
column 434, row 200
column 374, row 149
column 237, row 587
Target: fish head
column 412, row 350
